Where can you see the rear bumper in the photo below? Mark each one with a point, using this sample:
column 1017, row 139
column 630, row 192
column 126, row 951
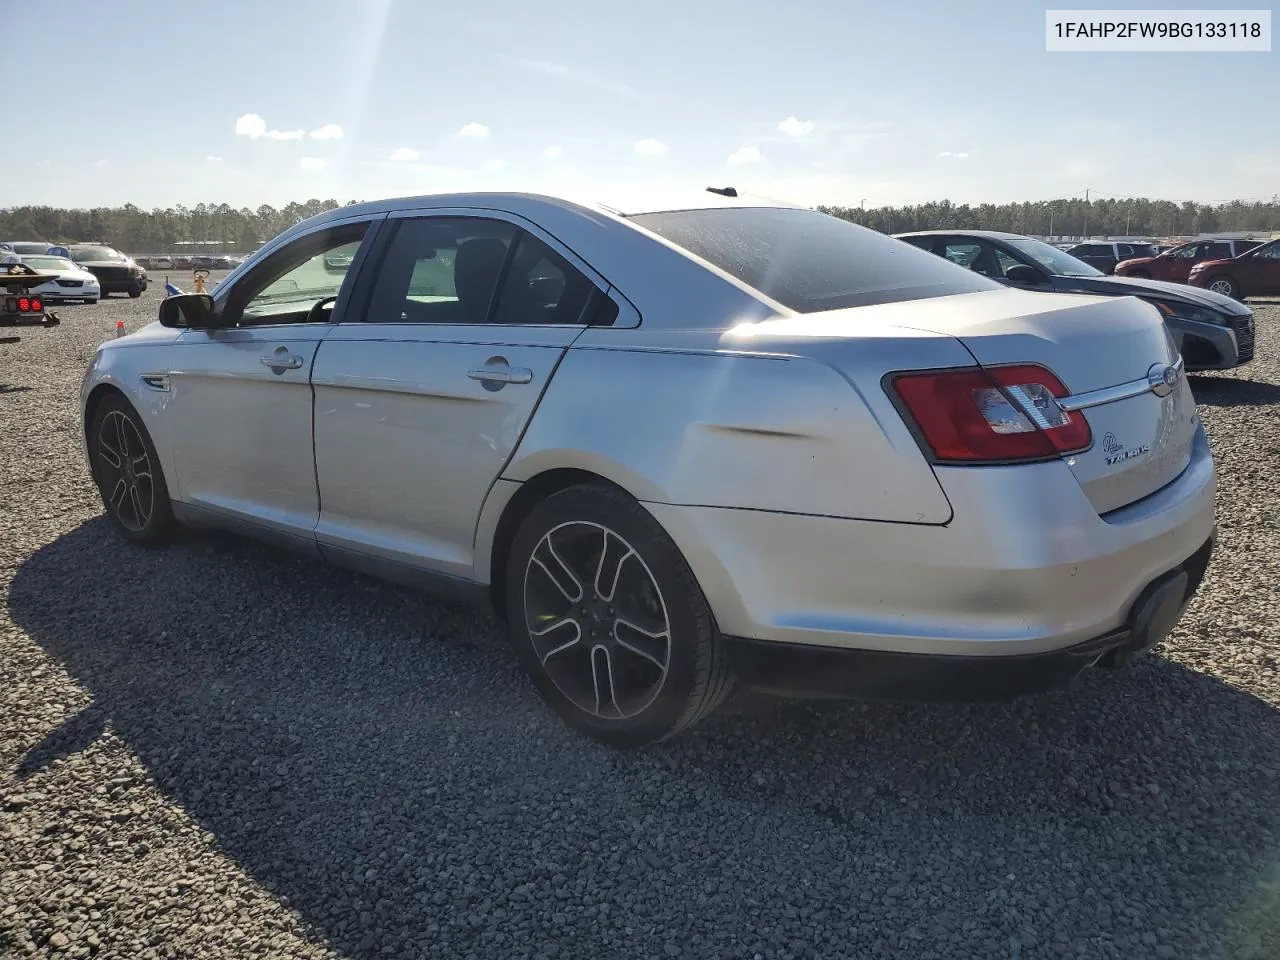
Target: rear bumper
column 803, row 670
column 1026, row 566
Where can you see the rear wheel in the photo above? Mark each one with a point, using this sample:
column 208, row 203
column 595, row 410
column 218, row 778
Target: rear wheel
column 609, row 621
column 127, row 472
column 135, row 292
column 1224, row 285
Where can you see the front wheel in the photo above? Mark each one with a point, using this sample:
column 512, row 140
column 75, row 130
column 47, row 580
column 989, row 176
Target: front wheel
column 609, row 622
column 127, row 471
column 135, row 293
column 1140, row 274
column 1224, row 285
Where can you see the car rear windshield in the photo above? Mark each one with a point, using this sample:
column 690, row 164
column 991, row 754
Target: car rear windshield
column 810, row 261
column 49, row 263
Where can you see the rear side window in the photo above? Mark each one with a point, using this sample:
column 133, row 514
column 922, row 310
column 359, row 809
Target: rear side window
column 1219, row 251
column 809, row 261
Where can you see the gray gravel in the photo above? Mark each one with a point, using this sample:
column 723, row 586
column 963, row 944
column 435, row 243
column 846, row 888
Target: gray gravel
column 217, row 750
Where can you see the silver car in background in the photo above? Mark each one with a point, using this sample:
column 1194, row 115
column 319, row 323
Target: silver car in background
column 680, row 444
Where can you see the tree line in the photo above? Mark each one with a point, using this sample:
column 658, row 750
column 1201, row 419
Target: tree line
column 135, row 230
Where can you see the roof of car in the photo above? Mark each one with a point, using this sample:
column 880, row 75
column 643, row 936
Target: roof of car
column 626, row 202
column 987, row 234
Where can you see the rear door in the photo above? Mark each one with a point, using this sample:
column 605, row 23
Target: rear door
column 423, row 392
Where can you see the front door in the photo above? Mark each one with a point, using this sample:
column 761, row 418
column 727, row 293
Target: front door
column 1260, row 271
column 421, row 402
column 241, row 395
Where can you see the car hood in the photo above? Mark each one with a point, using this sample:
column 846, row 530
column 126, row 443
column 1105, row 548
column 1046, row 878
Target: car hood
column 1134, row 262
column 1162, row 289
column 1209, row 264
column 106, row 263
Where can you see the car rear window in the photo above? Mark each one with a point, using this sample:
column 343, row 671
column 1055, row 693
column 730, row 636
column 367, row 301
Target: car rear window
column 810, row 261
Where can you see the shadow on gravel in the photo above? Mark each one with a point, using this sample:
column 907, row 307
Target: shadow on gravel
column 377, row 758
column 8, row 388
column 1232, row 392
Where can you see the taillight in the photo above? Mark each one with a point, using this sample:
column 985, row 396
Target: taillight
column 24, row 304
column 992, row 415
column 37, row 306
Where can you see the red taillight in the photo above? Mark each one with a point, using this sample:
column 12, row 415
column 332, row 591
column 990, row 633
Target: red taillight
column 37, row 306
column 24, row 304
column 992, row 415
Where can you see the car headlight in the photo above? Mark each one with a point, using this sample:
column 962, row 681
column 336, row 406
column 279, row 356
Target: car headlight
column 1185, row 311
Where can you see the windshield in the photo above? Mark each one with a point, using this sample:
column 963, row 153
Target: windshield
column 49, row 263
column 1057, row 262
column 30, row 247
column 810, row 261
column 95, row 253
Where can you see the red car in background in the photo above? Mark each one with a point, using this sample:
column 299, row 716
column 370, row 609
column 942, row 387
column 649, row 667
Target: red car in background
column 1175, row 265
column 1252, row 274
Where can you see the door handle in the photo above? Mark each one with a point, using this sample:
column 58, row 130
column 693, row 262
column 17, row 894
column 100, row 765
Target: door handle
column 501, row 374
column 282, row 361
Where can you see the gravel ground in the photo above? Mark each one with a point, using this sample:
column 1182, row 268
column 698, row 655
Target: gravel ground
column 217, row 750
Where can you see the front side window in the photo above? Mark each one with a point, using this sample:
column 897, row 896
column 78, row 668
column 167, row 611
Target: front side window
column 1270, row 252
column 287, row 285
column 810, row 261
column 1189, row 251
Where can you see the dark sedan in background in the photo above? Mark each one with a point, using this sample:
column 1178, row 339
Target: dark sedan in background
column 1212, row 331
column 1104, row 255
column 116, row 273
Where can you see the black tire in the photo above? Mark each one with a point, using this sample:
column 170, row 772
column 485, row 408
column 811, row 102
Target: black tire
column 90, row 302
column 116, row 428
column 1229, row 287
column 135, row 293
column 696, row 676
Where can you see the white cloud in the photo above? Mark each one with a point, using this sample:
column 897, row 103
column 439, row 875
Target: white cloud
column 953, row 156
column 313, row 163
column 477, row 131
column 404, row 155
column 330, row 131
column 213, row 159
column 745, row 155
column 650, row 147
column 794, row 127
column 253, row 126
column 553, row 153
column 495, row 164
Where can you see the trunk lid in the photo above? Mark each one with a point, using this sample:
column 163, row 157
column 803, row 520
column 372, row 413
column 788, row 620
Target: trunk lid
column 1141, row 441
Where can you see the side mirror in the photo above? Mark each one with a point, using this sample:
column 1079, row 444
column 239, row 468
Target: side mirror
column 191, row 310
column 1022, row 274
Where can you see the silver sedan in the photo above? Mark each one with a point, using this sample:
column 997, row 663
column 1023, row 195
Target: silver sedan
column 680, row 444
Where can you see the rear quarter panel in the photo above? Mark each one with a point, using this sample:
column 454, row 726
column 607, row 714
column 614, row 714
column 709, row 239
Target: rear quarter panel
column 758, row 427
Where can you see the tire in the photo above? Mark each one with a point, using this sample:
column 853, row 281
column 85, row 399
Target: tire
column 1224, row 285
column 90, row 302
column 1140, row 274
column 116, row 428
column 656, row 686
column 135, row 293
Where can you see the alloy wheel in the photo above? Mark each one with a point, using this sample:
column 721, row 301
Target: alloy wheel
column 125, row 471
column 1221, row 286
column 597, row 620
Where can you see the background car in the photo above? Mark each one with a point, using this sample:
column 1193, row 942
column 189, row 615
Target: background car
column 23, row 247
column 72, row 283
column 1104, row 255
column 1255, row 273
column 1212, row 331
column 116, row 273
column 741, row 440
column 1174, row 265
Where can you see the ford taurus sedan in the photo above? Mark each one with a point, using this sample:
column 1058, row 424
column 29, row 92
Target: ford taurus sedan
column 678, row 445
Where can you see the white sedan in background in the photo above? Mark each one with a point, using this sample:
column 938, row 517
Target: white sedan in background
column 73, row 283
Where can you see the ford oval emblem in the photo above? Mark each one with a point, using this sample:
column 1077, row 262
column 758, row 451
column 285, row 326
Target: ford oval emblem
column 1163, row 377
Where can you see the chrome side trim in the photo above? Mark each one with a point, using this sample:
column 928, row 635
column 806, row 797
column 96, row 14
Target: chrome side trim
column 1121, row 391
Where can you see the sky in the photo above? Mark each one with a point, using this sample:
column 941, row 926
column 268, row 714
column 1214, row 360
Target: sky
column 809, row 101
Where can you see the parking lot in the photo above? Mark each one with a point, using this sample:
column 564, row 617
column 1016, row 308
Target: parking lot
column 219, row 750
